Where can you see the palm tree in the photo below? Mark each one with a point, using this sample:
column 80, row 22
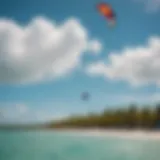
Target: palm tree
column 157, row 118
column 131, row 116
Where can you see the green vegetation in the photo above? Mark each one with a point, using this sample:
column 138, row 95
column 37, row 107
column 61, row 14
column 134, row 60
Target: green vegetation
column 130, row 117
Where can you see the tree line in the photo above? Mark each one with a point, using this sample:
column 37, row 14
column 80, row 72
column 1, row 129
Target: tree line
column 130, row 117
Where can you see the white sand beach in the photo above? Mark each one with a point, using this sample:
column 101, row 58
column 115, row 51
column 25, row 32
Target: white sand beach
column 131, row 134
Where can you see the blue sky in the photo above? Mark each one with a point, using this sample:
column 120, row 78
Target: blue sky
column 52, row 51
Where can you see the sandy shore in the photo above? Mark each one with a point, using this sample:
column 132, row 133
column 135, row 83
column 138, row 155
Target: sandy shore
column 131, row 134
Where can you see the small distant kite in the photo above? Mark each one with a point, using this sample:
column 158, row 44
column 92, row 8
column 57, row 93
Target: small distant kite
column 107, row 11
column 85, row 96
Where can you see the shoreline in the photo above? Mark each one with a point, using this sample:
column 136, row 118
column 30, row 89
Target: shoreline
column 114, row 133
column 132, row 134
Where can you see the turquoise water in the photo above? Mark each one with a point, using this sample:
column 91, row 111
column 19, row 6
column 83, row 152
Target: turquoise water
column 49, row 145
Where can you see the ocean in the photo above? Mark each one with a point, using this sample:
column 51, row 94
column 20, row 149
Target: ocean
column 50, row 145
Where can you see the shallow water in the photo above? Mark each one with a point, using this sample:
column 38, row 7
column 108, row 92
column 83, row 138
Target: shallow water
column 50, row 145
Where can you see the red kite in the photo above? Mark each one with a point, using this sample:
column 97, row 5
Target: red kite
column 106, row 10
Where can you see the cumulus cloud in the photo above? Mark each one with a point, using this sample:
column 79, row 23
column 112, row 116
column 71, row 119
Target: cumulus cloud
column 138, row 66
column 42, row 49
column 151, row 5
column 95, row 46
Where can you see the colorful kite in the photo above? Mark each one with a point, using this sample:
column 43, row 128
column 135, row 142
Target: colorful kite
column 106, row 10
column 85, row 96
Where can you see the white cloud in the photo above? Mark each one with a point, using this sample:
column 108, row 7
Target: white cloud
column 151, row 5
column 138, row 66
column 95, row 46
column 42, row 49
